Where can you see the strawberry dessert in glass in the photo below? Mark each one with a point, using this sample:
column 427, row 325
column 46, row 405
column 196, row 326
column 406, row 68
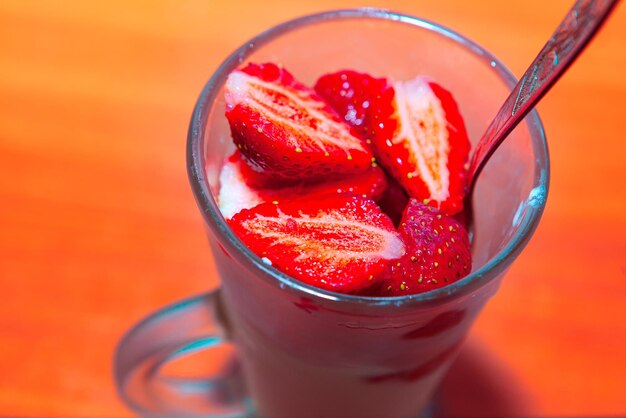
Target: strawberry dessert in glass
column 328, row 158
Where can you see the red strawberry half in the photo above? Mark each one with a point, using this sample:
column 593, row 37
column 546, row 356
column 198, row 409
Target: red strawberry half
column 285, row 130
column 238, row 188
column 437, row 252
column 421, row 140
column 351, row 94
column 339, row 243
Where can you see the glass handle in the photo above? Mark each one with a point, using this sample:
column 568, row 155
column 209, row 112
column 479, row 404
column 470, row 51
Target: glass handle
column 176, row 331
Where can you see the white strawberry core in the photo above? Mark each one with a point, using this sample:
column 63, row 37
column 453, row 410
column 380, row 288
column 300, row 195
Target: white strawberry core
column 295, row 109
column 234, row 194
column 333, row 237
column 422, row 126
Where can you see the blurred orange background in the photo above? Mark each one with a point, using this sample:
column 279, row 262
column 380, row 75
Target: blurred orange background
column 98, row 226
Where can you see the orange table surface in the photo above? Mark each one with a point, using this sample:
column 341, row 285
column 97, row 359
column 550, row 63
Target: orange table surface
column 98, row 226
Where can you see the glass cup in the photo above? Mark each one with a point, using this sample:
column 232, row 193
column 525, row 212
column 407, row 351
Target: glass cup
column 304, row 351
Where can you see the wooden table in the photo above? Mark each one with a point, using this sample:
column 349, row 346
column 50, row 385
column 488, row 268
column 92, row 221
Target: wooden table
column 98, row 226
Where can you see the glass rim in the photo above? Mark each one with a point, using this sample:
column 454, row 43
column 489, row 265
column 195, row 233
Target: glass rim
column 213, row 217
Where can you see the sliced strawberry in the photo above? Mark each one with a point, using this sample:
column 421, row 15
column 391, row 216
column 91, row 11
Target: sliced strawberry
column 338, row 243
column 285, row 130
column 437, row 252
column 351, row 94
column 238, row 188
column 370, row 183
column 417, row 131
column 421, row 140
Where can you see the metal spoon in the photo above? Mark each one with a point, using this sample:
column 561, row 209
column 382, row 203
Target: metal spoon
column 572, row 36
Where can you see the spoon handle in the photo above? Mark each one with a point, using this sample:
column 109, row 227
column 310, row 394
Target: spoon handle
column 577, row 28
